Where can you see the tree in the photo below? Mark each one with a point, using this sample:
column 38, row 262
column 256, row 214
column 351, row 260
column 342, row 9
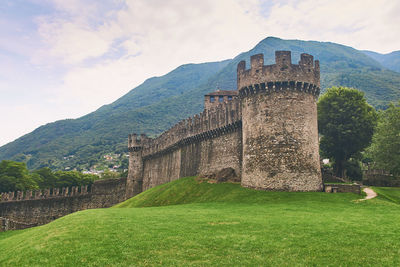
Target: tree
column 385, row 147
column 346, row 122
column 74, row 178
column 45, row 178
column 15, row 176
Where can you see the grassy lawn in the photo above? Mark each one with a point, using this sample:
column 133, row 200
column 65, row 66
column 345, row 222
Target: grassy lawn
column 190, row 223
column 389, row 193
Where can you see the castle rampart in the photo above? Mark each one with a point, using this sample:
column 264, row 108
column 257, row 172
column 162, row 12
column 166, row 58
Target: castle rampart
column 187, row 148
column 266, row 132
column 26, row 209
column 44, row 193
column 201, row 125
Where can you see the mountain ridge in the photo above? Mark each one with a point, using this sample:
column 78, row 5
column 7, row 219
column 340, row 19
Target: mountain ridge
column 160, row 102
column 390, row 60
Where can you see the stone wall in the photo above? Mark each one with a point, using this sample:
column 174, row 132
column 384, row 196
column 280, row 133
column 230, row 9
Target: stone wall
column 380, row 178
column 205, row 143
column 204, row 157
column 186, row 131
column 8, row 224
column 106, row 193
column 22, row 212
column 342, row 188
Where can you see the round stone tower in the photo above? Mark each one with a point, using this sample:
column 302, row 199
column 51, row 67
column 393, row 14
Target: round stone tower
column 279, row 122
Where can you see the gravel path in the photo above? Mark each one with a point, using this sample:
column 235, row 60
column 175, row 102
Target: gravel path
column 370, row 193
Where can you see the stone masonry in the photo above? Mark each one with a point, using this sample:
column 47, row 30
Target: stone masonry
column 279, row 123
column 19, row 210
column 266, row 131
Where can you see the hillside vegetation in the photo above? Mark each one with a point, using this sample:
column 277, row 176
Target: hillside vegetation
column 160, row 102
column 390, row 61
column 218, row 225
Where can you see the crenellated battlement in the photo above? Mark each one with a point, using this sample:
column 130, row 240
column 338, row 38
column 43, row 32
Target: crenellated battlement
column 279, row 76
column 135, row 142
column 29, row 208
column 44, row 193
column 216, row 120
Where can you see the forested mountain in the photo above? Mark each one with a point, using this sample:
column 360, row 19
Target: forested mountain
column 390, row 61
column 159, row 102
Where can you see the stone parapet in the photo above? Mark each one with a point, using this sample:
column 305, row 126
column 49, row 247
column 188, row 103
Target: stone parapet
column 306, row 72
column 380, row 178
column 20, row 210
column 342, row 188
column 216, row 120
column 44, row 193
column 198, row 138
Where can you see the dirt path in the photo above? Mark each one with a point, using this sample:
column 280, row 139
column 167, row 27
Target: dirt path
column 370, row 193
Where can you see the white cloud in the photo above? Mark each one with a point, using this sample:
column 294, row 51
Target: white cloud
column 73, row 44
column 161, row 35
column 363, row 24
column 150, row 41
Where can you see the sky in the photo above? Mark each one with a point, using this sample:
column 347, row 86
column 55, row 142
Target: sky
column 63, row 59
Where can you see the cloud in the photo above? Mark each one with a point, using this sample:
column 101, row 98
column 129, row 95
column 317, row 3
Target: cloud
column 139, row 41
column 81, row 54
column 73, row 44
column 74, row 32
column 363, row 24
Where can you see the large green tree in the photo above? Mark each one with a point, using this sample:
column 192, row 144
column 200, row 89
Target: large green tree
column 346, row 122
column 45, row 178
column 74, row 178
column 385, row 147
column 15, row 176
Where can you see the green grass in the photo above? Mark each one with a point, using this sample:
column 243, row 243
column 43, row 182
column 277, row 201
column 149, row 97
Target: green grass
column 389, row 193
column 221, row 225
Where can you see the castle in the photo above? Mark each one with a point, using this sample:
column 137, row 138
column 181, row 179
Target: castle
column 265, row 133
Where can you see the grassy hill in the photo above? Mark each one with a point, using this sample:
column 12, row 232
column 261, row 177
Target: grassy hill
column 162, row 101
column 218, row 225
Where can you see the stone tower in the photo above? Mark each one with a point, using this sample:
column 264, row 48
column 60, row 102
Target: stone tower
column 279, row 123
column 134, row 180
